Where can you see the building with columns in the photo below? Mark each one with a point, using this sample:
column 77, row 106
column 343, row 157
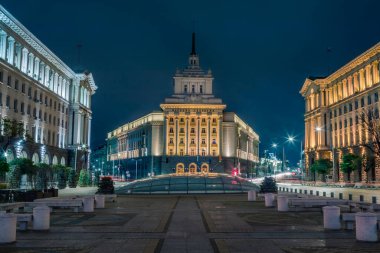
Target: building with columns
column 333, row 107
column 191, row 133
column 52, row 101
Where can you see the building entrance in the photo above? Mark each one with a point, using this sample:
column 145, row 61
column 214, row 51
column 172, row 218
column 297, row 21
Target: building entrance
column 192, row 168
column 180, row 168
column 204, row 168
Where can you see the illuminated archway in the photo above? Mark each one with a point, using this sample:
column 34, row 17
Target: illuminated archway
column 63, row 161
column 23, row 154
column 55, row 160
column 9, row 155
column 35, row 158
column 180, row 168
column 192, row 168
column 46, row 159
column 205, row 168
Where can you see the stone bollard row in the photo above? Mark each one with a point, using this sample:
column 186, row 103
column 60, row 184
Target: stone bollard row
column 269, row 199
column 8, row 227
column 366, row 227
column 282, row 203
column 99, row 201
column 331, row 217
column 252, row 195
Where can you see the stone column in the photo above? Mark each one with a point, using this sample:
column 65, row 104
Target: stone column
column 18, row 54
column 36, row 68
column 362, row 80
column 24, row 61
column 8, row 227
column 375, row 71
column 11, row 50
column 282, row 204
column 331, row 217
column 41, row 218
column 3, row 44
column 47, row 75
column 30, row 64
column 41, row 76
column 88, row 204
column 89, row 131
column 366, row 227
column 269, row 199
column 252, row 195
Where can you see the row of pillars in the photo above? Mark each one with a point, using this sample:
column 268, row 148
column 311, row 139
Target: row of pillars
column 366, row 223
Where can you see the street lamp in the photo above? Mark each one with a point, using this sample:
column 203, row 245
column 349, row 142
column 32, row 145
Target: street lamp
column 136, row 166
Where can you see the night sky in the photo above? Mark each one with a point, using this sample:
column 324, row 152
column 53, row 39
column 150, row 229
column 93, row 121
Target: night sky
column 260, row 52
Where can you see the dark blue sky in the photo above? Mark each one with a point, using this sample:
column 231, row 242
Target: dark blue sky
column 260, row 52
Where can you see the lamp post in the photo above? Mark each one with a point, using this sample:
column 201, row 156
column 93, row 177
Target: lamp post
column 136, row 160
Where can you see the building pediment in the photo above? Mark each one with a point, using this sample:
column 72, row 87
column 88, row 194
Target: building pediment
column 311, row 86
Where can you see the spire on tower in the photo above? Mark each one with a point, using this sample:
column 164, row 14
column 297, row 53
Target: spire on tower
column 193, row 45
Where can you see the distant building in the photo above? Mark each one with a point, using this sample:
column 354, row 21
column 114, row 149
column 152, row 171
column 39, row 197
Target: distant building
column 51, row 100
column 191, row 133
column 333, row 107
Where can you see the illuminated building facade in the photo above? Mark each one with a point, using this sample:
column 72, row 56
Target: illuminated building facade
column 333, row 106
column 192, row 133
column 51, row 100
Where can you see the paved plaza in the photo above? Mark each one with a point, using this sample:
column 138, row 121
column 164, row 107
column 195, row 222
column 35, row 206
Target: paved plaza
column 187, row 223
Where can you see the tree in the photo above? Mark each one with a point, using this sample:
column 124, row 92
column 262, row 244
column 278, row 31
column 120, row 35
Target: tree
column 83, row 178
column 72, row 179
column 321, row 166
column 43, row 176
column 4, row 167
column 62, row 175
column 106, row 186
column 350, row 162
column 268, row 185
column 23, row 166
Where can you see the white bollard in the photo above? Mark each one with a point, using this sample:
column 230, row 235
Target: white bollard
column 331, row 217
column 282, row 204
column 88, row 204
column 41, row 218
column 99, row 201
column 8, row 227
column 269, row 198
column 366, row 227
column 252, row 195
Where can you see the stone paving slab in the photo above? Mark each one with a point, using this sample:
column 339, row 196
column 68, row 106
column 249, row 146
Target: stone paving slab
column 190, row 223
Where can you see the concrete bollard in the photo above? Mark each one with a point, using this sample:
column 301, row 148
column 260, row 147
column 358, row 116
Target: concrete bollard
column 8, row 227
column 282, row 204
column 99, row 201
column 331, row 217
column 88, row 204
column 252, row 195
column 269, row 199
column 41, row 218
column 366, row 227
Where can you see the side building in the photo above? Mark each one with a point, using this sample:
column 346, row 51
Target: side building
column 192, row 133
column 334, row 107
column 39, row 90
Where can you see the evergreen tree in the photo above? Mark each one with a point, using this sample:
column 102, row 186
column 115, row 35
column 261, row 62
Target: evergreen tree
column 14, row 177
column 268, row 185
column 4, row 167
column 89, row 178
column 62, row 175
column 83, row 178
column 72, row 179
column 350, row 162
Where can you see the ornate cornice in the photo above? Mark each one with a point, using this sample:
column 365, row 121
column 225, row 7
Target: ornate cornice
column 367, row 55
column 193, row 106
column 14, row 25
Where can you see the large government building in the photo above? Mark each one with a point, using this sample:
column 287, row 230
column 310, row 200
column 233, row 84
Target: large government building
column 39, row 90
column 334, row 105
column 191, row 133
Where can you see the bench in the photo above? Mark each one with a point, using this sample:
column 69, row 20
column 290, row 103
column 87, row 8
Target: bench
column 7, row 207
column 349, row 220
column 110, row 197
column 23, row 219
column 314, row 202
column 75, row 204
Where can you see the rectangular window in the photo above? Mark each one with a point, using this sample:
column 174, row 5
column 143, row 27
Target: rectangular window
column 356, row 104
column 1, row 76
column 350, row 107
column 201, row 89
column 15, row 105
column 16, row 84
column 23, row 88
column 8, row 101
column 22, row 108
column 362, row 102
column 1, row 99
column 376, row 95
column 369, row 100
column 9, row 81
column 193, row 88
column 185, row 89
column 28, row 111
column 30, row 92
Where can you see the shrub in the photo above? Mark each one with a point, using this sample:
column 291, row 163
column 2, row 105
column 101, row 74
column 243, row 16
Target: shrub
column 3, row 186
column 106, row 186
column 14, row 177
column 268, row 185
column 83, row 178
column 44, row 174
column 62, row 176
column 72, row 179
